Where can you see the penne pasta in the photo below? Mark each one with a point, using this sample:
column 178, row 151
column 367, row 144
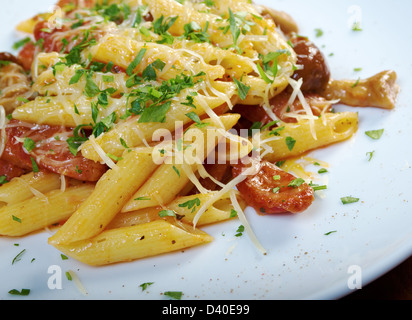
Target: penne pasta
column 135, row 242
column 173, row 175
column 111, row 193
column 290, row 140
column 184, row 208
column 135, row 133
column 40, row 212
column 122, row 52
column 29, row 185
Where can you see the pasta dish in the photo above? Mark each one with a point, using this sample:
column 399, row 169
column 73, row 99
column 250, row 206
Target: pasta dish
column 128, row 125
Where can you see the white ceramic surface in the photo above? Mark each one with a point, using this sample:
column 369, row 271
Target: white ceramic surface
column 374, row 234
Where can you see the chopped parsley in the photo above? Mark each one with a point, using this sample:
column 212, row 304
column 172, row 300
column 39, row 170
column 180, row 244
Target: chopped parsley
column 167, row 213
column 145, row 285
column 3, row 179
column 269, row 69
column 136, row 61
column 18, row 256
column 290, row 143
column 34, row 165
column 161, row 27
column 375, row 134
column 318, row 32
column 195, row 33
column 191, row 204
column 156, row 113
column 176, row 295
column 23, row 292
column 240, row 231
column 29, row 144
column 349, row 200
column 242, row 89
column 370, row 155
column 233, row 213
column 193, row 116
column 17, row 45
column 296, row 183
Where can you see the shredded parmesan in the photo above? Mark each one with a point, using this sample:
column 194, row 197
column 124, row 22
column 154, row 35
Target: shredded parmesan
column 104, row 157
column 63, row 183
column 34, row 191
column 77, row 282
column 297, row 92
column 245, row 223
column 228, row 187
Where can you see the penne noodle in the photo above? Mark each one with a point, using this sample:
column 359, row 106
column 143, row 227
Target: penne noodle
column 112, row 191
column 134, row 242
column 296, row 139
column 185, row 209
column 122, row 51
column 37, row 213
column 28, row 185
column 134, row 133
column 172, row 176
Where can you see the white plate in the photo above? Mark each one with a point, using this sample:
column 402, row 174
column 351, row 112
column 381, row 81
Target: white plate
column 371, row 236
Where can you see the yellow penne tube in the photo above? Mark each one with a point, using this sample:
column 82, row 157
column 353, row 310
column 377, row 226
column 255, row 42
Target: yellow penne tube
column 122, row 51
column 172, row 176
column 134, row 133
column 234, row 64
column 171, row 8
column 40, row 212
column 57, row 82
column 261, row 91
column 185, row 209
column 112, row 191
column 28, row 185
column 135, row 242
column 55, row 111
column 67, row 110
column 219, row 211
column 43, row 61
column 295, row 139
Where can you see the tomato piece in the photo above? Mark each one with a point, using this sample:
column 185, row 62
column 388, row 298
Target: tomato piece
column 51, row 153
column 270, row 190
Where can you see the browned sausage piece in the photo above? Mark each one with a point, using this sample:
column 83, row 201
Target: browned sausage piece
column 315, row 72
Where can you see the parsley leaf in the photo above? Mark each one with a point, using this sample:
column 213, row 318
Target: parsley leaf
column 155, row 113
column 136, row 61
column 348, row 200
column 242, row 89
column 29, row 144
column 193, row 116
column 177, row 295
column 375, row 134
column 290, row 143
column 191, row 204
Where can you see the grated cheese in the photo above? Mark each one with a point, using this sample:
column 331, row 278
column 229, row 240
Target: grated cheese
column 226, row 188
column 245, row 223
column 103, row 156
